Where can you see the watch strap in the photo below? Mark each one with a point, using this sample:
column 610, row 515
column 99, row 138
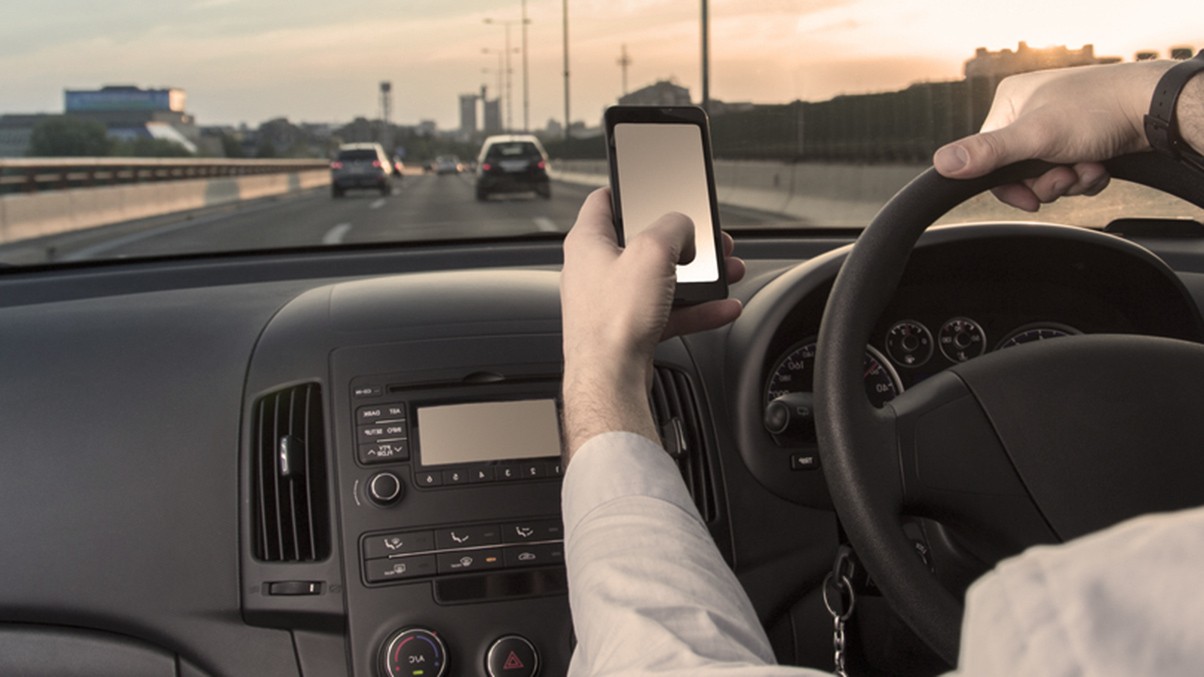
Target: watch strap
column 1161, row 125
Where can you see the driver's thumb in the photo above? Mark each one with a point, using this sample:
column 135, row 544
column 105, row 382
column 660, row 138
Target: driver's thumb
column 983, row 153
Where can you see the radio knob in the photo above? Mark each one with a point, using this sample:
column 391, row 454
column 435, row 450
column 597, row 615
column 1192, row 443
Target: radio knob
column 385, row 489
column 414, row 651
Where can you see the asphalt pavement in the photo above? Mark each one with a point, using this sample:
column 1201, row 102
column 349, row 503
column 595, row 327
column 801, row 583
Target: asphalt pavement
column 420, row 207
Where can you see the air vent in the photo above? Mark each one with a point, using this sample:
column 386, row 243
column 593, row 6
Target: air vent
column 676, row 411
column 289, row 502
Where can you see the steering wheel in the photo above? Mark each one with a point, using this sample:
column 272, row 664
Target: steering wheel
column 1033, row 445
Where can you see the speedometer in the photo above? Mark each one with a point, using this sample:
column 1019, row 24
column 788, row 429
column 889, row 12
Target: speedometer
column 1040, row 331
column 794, row 372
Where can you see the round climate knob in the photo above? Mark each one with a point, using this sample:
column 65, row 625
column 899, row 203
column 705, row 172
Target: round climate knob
column 414, row 651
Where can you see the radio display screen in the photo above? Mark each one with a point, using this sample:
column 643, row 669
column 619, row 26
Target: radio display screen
column 488, row 431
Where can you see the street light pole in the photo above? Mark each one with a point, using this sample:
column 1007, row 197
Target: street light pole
column 510, row 71
column 567, row 119
column 706, row 60
column 501, row 73
column 509, row 83
column 526, row 88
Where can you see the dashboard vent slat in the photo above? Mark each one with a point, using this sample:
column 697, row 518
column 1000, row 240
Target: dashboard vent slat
column 676, row 410
column 288, row 482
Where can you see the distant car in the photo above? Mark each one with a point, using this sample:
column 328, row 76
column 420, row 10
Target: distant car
column 512, row 164
column 361, row 165
column 448, row 164
column 399, row 168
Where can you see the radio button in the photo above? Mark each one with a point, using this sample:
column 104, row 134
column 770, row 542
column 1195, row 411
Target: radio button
column 387, row 432
column 428, row 479
column 387, row 545
column 467, row 537
column 509, row 472
column 383, row 570
column 456, row 476
column 532, row 470
column 480, row 475
column 380, row 413
column 469, row 560
column 384, row 452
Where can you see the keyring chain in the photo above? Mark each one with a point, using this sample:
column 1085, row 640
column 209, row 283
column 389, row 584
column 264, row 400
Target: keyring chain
column 843, row 585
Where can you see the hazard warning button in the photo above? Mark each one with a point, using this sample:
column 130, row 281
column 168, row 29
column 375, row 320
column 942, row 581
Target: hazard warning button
column 512, row 656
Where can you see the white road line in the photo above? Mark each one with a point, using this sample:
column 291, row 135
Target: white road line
column 377, row 204
column 335, row 235
column 545, row 225
column 188, row 222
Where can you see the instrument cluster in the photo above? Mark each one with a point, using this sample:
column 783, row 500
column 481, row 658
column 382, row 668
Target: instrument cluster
column 907, row 352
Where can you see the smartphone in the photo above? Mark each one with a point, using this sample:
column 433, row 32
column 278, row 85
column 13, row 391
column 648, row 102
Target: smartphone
column 660, row 161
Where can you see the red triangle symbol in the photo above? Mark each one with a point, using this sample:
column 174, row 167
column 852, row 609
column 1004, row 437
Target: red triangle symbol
column 513, row 662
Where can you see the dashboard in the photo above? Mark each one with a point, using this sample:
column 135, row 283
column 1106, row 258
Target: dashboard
column 348, row 462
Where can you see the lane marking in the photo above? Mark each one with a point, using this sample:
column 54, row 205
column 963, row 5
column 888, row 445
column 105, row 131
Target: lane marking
column 546, row 225
column 189, row 221
column 380, row 202
column 335, row 235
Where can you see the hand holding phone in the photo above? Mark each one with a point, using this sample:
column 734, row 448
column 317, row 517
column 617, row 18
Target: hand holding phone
column 660, row 162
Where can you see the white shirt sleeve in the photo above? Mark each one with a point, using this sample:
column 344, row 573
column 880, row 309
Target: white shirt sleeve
column 649, row 591
column 651, row 595
column 1128, row 600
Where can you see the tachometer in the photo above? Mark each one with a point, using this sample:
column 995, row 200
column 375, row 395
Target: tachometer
column 1039, row 331
column 795, row 372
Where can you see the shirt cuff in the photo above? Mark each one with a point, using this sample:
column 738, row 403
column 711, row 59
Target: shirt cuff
column 615, row 465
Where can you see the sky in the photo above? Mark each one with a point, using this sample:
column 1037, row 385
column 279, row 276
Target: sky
column 322, row 61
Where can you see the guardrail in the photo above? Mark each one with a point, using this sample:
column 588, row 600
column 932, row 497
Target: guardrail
column 841, row 193
column 33, row 175
column 49, row 196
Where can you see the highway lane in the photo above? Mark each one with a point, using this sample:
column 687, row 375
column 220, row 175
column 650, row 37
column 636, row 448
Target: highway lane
column 422, row 207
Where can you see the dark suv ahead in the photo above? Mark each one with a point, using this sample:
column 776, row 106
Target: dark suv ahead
column 512, row 164
column 360, row 165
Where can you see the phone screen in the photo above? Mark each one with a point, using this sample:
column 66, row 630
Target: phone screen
column 662, row 168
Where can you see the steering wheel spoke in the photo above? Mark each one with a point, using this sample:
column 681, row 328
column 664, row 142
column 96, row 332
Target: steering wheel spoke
column 956, row 471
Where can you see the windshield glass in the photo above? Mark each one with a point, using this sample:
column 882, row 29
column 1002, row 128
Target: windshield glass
column 135, row 128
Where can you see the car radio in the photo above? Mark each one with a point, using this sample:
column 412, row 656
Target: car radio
column 450, row 498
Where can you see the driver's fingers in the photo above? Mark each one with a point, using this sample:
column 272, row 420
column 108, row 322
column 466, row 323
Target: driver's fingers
column 1017, row 195
column 1085, row 178
column 1092, row 178
column 1053, row 184
column 734, row 268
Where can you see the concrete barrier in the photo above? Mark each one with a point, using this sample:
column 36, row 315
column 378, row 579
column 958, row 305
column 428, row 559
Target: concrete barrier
column 24, row 216
column 830, row 193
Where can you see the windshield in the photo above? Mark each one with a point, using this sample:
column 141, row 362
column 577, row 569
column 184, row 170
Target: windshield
column 134, row 128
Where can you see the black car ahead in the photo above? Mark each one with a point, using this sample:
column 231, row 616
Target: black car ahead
column 361, row 165
column 512, row 164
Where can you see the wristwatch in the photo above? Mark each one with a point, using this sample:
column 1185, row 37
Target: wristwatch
column 1161, row 127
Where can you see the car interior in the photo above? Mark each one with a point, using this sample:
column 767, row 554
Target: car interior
column 344, row 459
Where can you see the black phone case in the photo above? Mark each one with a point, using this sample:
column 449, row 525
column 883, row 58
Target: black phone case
column 690, row 292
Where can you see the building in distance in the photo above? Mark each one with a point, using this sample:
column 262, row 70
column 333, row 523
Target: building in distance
column 1005, row 62
column 130, row 113
column 661, row 93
